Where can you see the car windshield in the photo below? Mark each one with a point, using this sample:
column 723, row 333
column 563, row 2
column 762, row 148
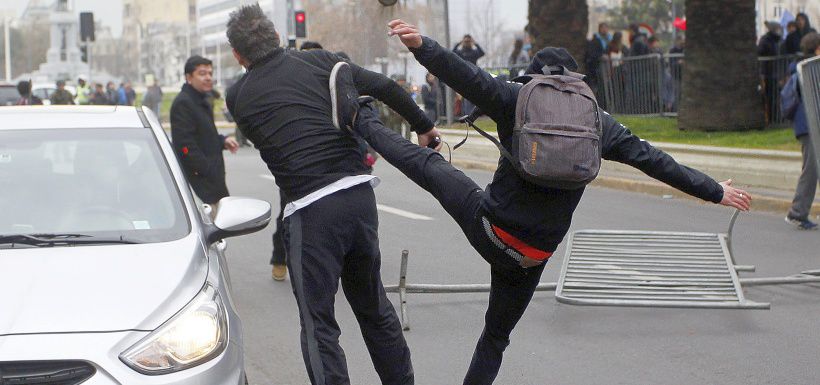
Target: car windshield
column 105, row 183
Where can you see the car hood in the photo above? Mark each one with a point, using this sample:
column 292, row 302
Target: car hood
column 98, row 288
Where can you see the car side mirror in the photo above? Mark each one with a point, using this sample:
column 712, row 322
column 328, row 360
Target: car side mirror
column 238, row 216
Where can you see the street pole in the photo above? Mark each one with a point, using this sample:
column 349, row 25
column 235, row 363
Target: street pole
column 291, row 26
column 674, row 29
column 88, row 46
column 218, row 62
column 7, row 45
column 448, row 91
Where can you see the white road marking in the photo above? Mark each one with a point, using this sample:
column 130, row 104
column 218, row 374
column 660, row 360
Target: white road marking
column 402, row 213
column 387, row 209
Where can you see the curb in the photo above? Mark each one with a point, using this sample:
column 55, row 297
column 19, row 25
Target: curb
column 760, row 203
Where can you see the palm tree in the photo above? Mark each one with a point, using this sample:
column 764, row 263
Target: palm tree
column 720, row 75
column 559, row 23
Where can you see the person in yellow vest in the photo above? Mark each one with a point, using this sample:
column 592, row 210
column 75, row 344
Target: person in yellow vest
column 83, row 90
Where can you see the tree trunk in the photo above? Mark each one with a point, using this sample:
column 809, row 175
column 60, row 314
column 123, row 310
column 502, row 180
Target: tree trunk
column 720, row 74
column 559, row 23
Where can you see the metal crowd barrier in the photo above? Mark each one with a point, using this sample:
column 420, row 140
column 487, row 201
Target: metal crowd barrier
column 808, row 72
column 646, row 269
column 651, row 84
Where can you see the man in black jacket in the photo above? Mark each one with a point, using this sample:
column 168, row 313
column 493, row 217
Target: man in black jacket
column 196, row 141
column 514, row 225
column 283, row 105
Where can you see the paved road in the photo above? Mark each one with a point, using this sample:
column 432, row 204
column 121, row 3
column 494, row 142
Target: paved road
column 554, row 343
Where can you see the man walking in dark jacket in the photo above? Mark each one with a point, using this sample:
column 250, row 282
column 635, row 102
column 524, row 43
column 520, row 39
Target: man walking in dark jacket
column 513, row 224
column 283, row 104
column 196, row 141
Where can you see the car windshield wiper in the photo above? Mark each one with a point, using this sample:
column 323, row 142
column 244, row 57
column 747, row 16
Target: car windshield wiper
column 46, row 240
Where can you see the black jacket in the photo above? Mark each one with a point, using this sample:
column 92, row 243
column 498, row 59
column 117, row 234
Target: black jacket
column 198, row 144
column 470, row 55
column 768, row 46
column 282, row 105
column 537, row 215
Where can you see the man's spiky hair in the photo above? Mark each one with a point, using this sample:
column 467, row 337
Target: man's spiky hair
column 251, row 33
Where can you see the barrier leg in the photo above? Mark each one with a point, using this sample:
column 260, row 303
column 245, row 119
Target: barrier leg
column 403, row 291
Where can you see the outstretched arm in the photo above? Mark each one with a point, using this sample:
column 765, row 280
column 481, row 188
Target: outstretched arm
column 620, row 145
column 495, row 97
column 390, row 93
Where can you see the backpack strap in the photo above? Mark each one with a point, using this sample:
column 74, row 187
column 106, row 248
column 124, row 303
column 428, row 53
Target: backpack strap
column 470, row 122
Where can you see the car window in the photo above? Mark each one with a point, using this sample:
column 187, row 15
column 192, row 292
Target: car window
column 41, row 93
column 101, row 182
column 8, row 95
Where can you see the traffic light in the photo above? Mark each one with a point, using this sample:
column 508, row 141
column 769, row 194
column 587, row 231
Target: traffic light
column 84, row 53
column 86, row 26
column 300, row 24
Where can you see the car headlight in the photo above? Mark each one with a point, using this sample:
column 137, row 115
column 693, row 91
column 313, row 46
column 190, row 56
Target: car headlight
column 198, row 333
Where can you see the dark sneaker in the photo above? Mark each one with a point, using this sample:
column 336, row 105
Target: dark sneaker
column 343, row 96
column 802, row 224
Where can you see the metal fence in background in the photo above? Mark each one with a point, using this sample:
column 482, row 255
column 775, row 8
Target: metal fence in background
column 651, row 84
column 632, row 85
column 809, row 72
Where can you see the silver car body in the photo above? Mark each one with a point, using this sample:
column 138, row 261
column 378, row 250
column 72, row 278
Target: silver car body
column 91, row 303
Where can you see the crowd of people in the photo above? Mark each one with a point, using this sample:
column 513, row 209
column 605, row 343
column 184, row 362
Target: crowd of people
column 92, row 94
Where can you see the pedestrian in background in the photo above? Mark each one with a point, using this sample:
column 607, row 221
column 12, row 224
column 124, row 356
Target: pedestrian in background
column 638, row 42
column 122, row 98
column 519, row 58
column 83, row 91
column 807, row 183
column 153, row 98
column 196, row 140
column 99, row 96
column 429, row 95
column 596, row 50
column 470, row 51
column 794, row 39
column 61, row 96
column 26, row 98
column 767, row 47
column 788, row 46
column 130, row 94
column 111, row 93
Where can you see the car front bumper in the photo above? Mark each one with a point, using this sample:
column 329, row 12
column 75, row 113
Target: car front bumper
column 102, row 350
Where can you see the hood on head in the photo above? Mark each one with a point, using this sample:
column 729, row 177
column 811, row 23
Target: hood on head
column 551, row 57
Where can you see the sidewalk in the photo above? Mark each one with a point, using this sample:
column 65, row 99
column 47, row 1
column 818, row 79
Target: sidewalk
column 770, row 176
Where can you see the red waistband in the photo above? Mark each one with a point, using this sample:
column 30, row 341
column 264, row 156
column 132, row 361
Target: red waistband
column 519, row 245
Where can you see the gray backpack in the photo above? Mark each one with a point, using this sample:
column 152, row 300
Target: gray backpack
column 556, row 140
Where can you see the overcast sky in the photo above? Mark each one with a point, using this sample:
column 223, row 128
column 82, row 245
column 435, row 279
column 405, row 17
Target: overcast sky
column 512, row 13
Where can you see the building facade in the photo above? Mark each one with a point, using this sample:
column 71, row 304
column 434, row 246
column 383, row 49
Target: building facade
column 211, row 19
column 157, row 38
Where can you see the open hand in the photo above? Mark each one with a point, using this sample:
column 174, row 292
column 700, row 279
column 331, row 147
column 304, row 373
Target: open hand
column 408, row 34
column 735, row 197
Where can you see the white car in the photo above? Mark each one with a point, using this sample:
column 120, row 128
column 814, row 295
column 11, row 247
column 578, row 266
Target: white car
column 111, row 272
column 45, row 90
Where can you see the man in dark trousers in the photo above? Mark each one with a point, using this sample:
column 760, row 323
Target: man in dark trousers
column 196, row 141
column 513, row 224
column 284, row 105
